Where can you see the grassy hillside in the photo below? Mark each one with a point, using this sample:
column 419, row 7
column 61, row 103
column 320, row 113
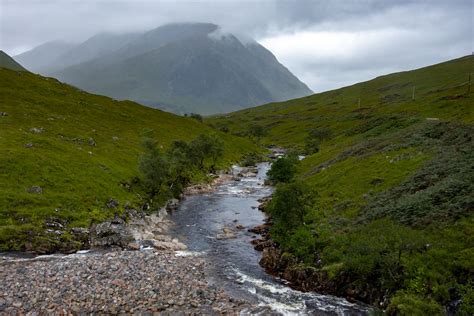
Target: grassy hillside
column 390, row 171
column 9, row 63
column 64, row 153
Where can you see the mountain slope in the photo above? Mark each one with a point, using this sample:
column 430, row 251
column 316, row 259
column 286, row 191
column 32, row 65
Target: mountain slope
column 41, row 57
column 186, row 68
column 64, row 153
column 389, row 166
column 9, row 63
column 94, row 47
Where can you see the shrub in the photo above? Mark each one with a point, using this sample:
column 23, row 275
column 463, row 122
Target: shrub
column 290, row 204
column 154, row 167
column 251, row 159
column 166, row 174
column 315, row 138
column 375, row 254
column 197, row 117
column 257, row 131
column 283, row 170
column 206, row 146
column 413, row 305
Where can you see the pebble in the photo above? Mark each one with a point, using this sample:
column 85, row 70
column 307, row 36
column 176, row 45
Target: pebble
column 113, row 283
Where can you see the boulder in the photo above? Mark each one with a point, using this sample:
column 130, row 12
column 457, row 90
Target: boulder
column 110, row 233
column 111, row 203
column 36, row 130
column 35, row 189
column 260, row 244
column 172, row 204
column 81, row 234
column 133, row 246
column 271, row 259
column 168, row 245
column 227, row 233
column 92, row 142
column 262, row 229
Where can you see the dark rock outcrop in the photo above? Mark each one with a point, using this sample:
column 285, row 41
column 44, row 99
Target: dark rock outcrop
column 110, row 233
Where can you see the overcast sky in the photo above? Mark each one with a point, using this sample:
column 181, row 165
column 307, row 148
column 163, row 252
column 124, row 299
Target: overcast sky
column 326, row 43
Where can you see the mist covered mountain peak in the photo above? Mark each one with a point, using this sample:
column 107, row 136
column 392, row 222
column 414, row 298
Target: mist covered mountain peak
column 181, row 67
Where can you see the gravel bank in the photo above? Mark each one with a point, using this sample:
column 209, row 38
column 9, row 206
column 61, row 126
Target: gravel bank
column 115, row 282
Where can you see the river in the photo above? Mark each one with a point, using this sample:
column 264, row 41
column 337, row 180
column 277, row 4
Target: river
column 233, row 262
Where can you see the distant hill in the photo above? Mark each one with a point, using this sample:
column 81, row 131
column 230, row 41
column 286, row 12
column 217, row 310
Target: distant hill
column 9, row 63
column 181, row 68
column 389, row 170
column 64, row 153
column 41, row 57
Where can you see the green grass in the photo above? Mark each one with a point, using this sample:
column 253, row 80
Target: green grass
column 395, row 174
column 86, row 153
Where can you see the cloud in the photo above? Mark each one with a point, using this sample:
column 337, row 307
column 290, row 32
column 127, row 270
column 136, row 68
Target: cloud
column 331, row 55
column 327, row 44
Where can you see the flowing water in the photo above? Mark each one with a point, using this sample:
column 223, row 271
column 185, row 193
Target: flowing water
column 234, row 262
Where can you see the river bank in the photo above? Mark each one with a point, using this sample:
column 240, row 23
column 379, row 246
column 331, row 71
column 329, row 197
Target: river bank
column 135, row 266
column 299, row 277
column 112, row 283
column 218, row 274
column 218, row 225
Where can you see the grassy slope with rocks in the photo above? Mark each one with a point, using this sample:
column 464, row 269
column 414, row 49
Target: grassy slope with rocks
column 392, row 181
column 64, row 153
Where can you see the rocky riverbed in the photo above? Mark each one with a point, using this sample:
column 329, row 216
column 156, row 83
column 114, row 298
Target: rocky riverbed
column 113, row 282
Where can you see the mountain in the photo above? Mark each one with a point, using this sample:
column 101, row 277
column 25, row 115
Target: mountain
column 95, row 47
column 9, row 63
column 385, row 189
column 41, row 57
column 184, row 68
column 64, row 153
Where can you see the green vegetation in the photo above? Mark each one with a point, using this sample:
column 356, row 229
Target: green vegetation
column 390, row 218
column 195, row 116
column 65, row 153
column 283, row 170
column 165, row 175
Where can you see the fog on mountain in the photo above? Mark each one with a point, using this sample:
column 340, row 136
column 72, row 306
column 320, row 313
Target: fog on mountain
column 181, row 68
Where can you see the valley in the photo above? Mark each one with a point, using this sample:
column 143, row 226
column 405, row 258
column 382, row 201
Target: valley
column 379, row 211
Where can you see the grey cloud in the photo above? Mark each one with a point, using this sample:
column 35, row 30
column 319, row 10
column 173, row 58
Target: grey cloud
column 425, row 31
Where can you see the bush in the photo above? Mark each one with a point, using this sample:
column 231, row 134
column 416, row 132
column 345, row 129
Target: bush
column 314, row 139
column 206, row 146
column 289, row 206
column 154, row 167
column 283, row 170
column 166, row 174
column 467, row 300
column 375, row 254
column 257, row 131
column 413, row 305
column 251, row 159
column 197, row 117
column 440, row 190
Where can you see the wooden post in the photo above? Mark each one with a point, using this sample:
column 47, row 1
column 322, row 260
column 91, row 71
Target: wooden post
column 413, row 93
column 359, row 103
